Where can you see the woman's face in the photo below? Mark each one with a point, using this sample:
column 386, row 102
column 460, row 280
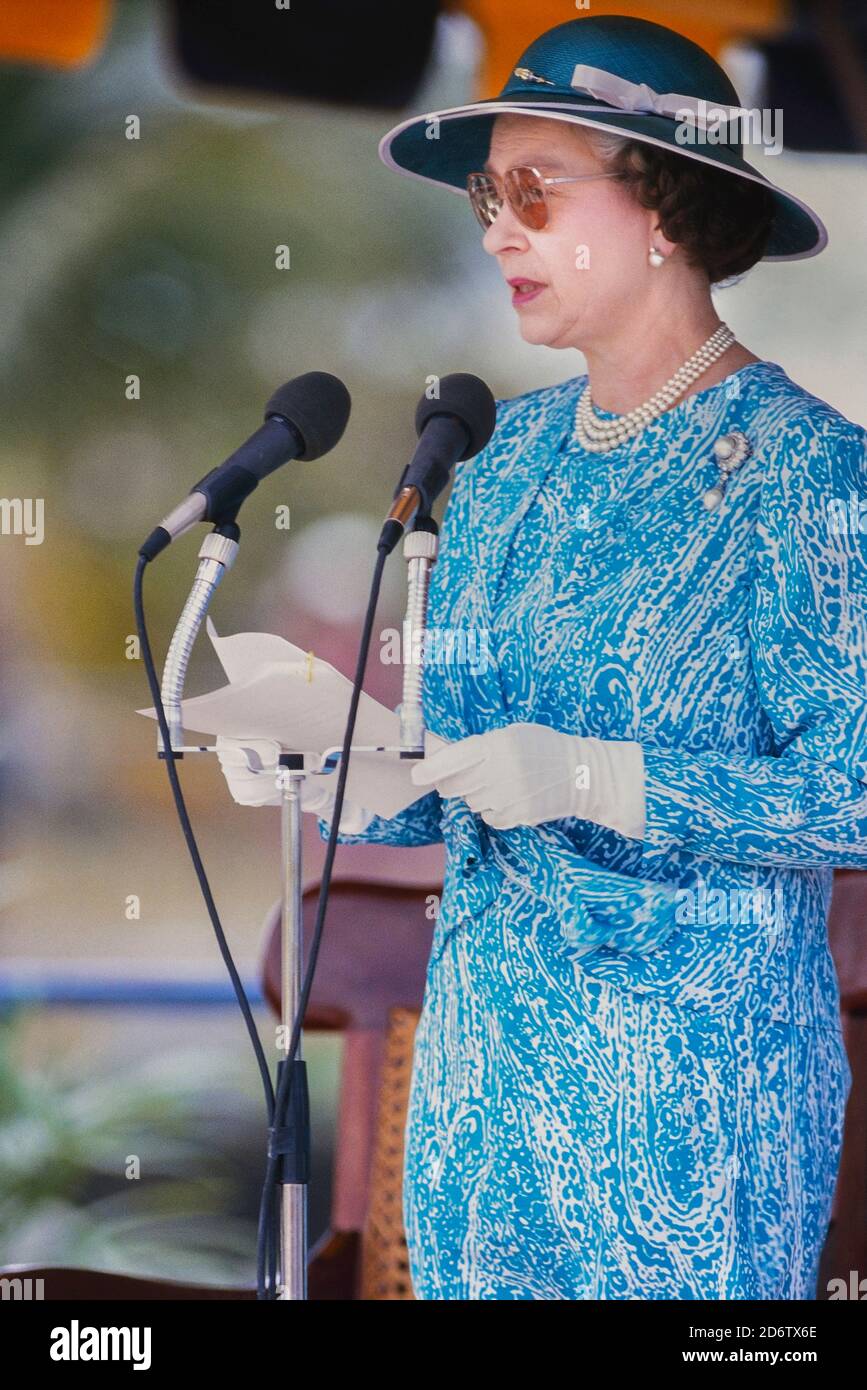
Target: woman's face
column 588, row 266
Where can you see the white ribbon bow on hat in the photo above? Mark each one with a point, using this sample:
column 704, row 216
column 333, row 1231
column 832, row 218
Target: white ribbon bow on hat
column 637, row 96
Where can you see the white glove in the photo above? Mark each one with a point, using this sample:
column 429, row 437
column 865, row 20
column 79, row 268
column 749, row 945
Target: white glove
column 524, row 774
column 250, row 766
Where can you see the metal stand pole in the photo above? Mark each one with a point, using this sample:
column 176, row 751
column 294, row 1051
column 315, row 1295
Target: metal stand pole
column 296, row 1157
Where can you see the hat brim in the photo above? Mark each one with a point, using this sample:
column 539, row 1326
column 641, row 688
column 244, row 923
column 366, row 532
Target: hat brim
column 796, row 232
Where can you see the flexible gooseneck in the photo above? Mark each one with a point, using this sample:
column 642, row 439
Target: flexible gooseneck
column 216, row 557
column 420, row 552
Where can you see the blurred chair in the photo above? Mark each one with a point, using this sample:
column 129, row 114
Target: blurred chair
column 846, row 1246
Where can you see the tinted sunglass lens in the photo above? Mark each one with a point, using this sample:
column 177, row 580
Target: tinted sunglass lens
column 527, row 196
column 484, row 199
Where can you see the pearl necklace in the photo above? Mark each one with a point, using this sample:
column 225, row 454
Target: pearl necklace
column 600, row 436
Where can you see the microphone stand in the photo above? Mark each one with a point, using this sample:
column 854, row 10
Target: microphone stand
column 291, row 1141
column 216, row 557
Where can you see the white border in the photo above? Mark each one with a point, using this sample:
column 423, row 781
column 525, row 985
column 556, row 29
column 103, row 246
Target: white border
column 528, row 109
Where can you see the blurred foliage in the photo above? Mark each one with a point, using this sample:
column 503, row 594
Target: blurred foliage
column 198, row 1133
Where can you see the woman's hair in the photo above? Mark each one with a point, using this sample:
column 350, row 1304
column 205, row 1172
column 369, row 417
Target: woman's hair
column 722, row 221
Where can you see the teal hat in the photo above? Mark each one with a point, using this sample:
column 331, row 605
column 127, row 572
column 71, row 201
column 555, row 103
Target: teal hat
column 622, row 75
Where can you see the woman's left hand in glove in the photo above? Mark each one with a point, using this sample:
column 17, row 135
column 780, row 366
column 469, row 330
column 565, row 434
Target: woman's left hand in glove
column 525, row 774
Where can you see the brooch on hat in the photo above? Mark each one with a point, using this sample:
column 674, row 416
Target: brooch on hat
column 529, row 76
column 730, row 451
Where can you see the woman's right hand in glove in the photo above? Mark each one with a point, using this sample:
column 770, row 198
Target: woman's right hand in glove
column 250, row 766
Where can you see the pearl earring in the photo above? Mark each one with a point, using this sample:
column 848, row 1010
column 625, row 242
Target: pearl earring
column 655, row 257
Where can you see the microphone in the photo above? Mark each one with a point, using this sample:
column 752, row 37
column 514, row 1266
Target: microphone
column 450, row 430
column 304, row 419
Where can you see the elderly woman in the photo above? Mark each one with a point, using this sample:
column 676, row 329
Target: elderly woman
column 629, row 1077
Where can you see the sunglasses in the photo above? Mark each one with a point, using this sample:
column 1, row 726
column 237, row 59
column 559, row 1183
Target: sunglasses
column 525, row 191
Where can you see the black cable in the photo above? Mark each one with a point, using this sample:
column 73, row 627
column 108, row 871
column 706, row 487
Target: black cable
column 183, row 817
column 269, row 1209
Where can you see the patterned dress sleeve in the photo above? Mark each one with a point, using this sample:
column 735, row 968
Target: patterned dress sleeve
column 805, row 804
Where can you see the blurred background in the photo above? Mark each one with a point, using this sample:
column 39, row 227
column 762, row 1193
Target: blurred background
column 254, row 127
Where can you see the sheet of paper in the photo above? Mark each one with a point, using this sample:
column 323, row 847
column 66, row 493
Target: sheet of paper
column 276, row 690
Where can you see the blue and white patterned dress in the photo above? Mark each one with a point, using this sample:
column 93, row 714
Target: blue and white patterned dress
column 629, row 1077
